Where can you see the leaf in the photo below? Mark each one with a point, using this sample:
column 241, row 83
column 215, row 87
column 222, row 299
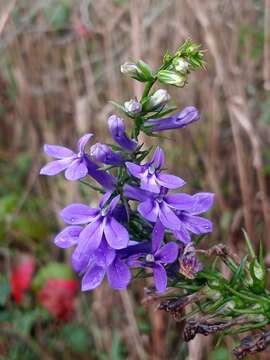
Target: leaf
column 4, row 290
column 239, row 272
column 249, row 244
column 53, row 270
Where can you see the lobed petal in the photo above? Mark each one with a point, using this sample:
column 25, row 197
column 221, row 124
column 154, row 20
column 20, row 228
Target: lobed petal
column 135, row 193
column 68, row 237
column 134, row 169
column 78, row 214
column 203, row 202
column 116, row 234
column 198, row 225
column 149, row 183
column 168, row 253
column 180, row 201
column 160, row 277
column 83, row 141
column 55, row 167
column 158, row 158
column 93, row 278
column 58, row 152
column 149, row 209
column 77, row 170
column 118, row 274
column 170, row 181
column 157, row 236
column 168, row 217
column 182, row 234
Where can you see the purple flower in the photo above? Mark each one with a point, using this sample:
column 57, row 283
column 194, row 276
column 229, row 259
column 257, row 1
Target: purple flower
column 101, row 224
column 157, row 257
column 179, row 120
column 103, row 260
column 151, row 176
column 160, row 206
column 104, row 154
column 189, row 264
column 189, row 220
column 76, row 165
column 73, row 163
column 117, row 130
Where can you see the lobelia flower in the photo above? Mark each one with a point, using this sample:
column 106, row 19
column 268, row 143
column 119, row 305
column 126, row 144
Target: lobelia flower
column 117, row 130
column 179, row 120
column 151, row 176
column 101, row 225
column 104, row 260
column 133, row 107
column 157, row 257
column 160, row 206
column 76, row 165
column 104, row 154
column 190, row 222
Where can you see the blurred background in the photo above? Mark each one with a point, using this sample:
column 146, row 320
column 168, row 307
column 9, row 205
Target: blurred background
column 59, row 67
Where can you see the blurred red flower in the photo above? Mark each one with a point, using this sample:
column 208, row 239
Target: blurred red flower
column 58, row 296
column 21, row 275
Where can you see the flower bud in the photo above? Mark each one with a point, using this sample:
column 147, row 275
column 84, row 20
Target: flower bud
column 171, row 78
column 139, row 71
column 103, row 153
column 117, row 130
column 133, row 107
column 185, row 117
column 181, row 65
column 157, row 100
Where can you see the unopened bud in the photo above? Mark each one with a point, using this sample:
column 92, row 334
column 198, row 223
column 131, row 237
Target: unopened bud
column 104, row 154
column 139, row 71
column 181, row 65
column 157, row 100
column 171, row 78
column 133, row 107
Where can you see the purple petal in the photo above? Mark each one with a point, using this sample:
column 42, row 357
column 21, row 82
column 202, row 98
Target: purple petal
column 160, row 277
column 90, row 237
column 78, row 214
column 168, row 217
column 149, row 209
column 58, row 152
column 118, row 274
column 93, row 278
column 168, row 253
column 55, row 167
column 180, row 201
column 135, row 193
column 104, row 255
column 197, row 225
column 157, row 236
column 102, row 177
column 68, row 237
column 182, row 234
column 116, row 235
column 149, row 183
column 170, row 181
column 77, row 170
column 113, row 203
column 158, row 158
column 82, row 142
column 104, row 199
column 203, row 202
column 134, row 169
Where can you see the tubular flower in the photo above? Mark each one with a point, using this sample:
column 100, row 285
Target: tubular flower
column 117, row 129
column 160, row 206
column 104, row 154
column 179, row 120
column 100, row 224
column 190, row 222
column 151, row 176
column 157, row 257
